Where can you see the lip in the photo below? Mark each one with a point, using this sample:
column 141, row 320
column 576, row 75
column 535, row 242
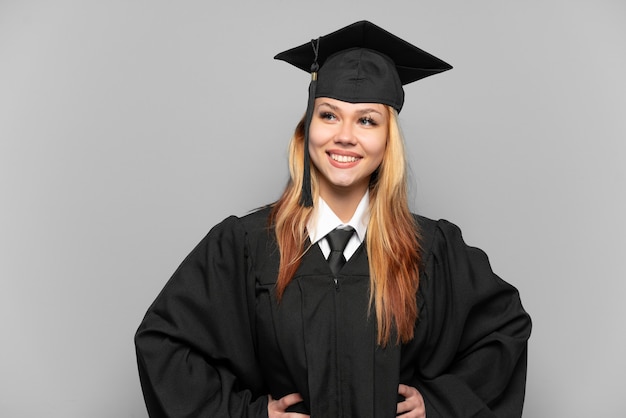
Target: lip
column 352, row 158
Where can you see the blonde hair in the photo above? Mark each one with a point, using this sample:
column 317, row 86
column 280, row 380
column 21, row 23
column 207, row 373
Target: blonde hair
column 392, row 239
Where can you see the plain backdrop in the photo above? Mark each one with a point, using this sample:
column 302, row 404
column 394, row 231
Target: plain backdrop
column 129, row 128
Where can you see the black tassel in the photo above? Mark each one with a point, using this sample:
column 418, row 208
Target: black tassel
column 306, row 198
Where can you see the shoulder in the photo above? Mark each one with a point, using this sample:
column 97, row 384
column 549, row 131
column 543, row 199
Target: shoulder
column 251, row 232
column 451, row 265
column 442, row 239
column 433, row 231
column 257, row 219
column 231, row 241
column 251, row 222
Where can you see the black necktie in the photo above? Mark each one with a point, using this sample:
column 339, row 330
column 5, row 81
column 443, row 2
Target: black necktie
column 338, row 239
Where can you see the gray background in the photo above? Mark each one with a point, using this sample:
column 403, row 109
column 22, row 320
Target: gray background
column 129, row 128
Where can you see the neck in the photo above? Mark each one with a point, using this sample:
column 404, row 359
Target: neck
column 343, row 201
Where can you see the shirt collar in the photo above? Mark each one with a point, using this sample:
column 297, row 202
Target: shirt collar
column 324, row 220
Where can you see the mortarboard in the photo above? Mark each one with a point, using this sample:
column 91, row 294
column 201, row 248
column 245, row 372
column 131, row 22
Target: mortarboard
column 360, row 63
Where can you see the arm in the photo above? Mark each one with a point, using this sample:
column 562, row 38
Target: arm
column 195, row 348
column 476, row 334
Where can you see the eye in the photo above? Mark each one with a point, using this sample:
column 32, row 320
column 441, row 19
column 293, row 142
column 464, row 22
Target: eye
column 367, row 121
column 327, row 116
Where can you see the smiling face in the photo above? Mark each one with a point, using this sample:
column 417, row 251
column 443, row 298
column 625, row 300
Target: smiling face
column 347, row 142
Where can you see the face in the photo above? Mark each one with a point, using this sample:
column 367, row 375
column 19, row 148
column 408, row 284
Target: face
column 347, row 142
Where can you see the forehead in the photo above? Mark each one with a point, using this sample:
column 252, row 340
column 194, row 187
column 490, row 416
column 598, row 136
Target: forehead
column 350, row 107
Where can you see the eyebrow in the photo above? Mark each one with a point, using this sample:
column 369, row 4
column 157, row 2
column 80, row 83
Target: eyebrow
column 360, row 111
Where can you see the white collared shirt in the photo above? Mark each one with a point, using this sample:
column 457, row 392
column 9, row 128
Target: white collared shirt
column 324, row 220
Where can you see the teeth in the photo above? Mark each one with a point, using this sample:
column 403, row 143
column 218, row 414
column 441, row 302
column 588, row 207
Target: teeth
column 343, row 158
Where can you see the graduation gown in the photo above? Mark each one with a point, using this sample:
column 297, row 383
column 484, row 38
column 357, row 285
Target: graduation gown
column 215, row 342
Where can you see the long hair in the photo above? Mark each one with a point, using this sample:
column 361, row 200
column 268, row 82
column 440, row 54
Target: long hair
column 392, row 239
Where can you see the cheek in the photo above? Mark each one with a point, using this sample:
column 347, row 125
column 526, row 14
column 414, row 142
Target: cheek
column 377, row 148
column 318, row 134
column 316, row 145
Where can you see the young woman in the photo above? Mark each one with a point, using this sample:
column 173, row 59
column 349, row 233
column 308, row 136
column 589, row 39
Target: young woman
column 336, row 301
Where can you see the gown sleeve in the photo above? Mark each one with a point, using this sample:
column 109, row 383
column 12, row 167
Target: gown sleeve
column 476, row 332
column 195, row 347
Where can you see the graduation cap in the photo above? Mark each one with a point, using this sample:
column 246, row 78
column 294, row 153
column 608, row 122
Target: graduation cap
column 360, row 63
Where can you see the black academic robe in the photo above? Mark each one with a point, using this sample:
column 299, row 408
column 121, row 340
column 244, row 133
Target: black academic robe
column 215, row 342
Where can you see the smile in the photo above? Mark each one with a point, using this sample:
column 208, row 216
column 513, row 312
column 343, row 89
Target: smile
column 344, row 158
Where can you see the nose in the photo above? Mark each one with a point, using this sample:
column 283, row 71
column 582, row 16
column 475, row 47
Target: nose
column 345, row 134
